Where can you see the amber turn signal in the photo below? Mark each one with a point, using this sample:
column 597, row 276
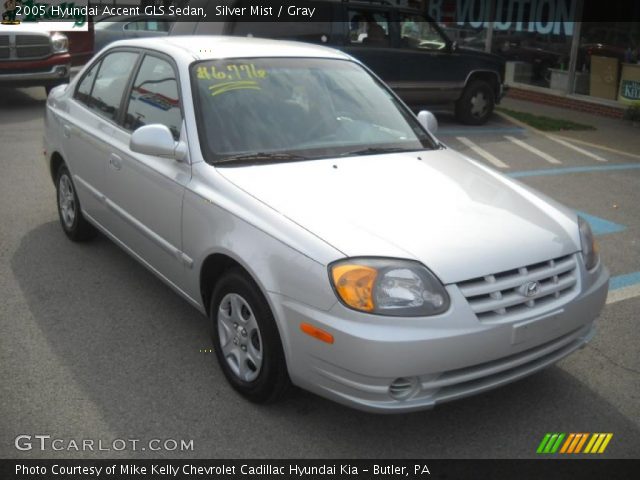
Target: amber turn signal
column 354, row 284
column 316, row 333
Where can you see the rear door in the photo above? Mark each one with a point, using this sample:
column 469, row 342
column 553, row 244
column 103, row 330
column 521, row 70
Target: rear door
column 369, row 36
column 424, row 69
column 89, row 126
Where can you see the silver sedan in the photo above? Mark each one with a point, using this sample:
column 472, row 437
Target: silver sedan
column 333, row 242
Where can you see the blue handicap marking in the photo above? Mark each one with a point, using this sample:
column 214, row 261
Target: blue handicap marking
column 622, row 281
column 600, row 226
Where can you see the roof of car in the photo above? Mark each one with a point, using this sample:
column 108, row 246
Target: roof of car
column 204, row 47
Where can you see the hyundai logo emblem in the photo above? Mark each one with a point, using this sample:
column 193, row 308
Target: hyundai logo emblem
column 530, row 289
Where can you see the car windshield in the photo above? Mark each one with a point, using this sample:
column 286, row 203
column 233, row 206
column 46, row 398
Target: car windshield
column 262, row 110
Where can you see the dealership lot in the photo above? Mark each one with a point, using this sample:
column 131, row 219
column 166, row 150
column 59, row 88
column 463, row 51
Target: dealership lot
column 95, row 347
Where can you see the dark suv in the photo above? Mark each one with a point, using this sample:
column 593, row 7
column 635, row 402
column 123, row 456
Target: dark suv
column 403, row 46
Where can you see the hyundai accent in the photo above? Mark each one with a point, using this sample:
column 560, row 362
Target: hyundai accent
column 333, row 242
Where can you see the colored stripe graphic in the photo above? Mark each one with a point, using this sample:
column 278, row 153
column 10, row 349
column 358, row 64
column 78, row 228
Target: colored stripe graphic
column 551, row 443
column 568, row 442
column 543, row 443
column 581, row 442
column 605, row 443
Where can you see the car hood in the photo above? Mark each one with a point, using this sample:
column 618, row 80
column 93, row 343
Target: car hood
column 460, row 219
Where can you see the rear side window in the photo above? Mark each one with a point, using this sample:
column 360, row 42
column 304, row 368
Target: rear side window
column 416, row 32
column 83, row 93
column 113, row 74
column 154, row 97
column 140, row 25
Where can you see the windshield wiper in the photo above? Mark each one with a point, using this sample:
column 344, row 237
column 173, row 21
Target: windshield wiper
column 261, row 157
column 376, row 151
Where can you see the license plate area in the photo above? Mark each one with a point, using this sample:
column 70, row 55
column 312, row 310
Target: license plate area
column 540, row 328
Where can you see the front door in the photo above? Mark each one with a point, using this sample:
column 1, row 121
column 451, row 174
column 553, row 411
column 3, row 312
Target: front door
column 145, row 192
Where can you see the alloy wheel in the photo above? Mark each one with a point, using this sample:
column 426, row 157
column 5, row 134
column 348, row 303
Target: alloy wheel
column 66, row 201
column 240, row 339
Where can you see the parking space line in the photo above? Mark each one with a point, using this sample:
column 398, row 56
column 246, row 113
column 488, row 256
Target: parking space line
column 577, row 149
column 624, row 293
column 479, row 131
column 533, row 150
column 585, row 169
column 601, row 147
column 482, row 152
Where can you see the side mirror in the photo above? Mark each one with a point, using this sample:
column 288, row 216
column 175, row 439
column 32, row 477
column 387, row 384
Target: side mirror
column 154, row 140
column 428, row 121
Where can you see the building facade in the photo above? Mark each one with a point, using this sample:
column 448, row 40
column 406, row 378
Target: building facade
column 554, row 46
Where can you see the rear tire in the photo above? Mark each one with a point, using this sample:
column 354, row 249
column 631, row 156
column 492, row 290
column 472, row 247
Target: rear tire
column 246, row 339
column 73, row 223
column 476, row 104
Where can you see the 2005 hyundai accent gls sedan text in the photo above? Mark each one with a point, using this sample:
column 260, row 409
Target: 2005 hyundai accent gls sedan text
column 333, row 242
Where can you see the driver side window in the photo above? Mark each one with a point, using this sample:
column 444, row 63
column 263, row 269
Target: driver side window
column 369, row 28
column 154, row 97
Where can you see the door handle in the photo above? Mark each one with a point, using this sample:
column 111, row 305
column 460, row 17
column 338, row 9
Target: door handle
column 115, row 161
column 66, row 131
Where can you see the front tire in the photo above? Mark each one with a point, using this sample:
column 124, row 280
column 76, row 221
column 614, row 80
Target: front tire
column 73, row 223
column 475, row 105
column 246, row 339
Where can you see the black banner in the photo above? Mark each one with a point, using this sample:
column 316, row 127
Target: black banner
column 547, row 469
column 475, row 12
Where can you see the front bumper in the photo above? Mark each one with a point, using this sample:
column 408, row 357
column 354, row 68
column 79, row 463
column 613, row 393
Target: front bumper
column 394, row 365
column 48, row 72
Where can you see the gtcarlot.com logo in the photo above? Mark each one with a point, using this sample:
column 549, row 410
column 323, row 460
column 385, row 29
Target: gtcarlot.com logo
column 574, row 443
column 48, row 443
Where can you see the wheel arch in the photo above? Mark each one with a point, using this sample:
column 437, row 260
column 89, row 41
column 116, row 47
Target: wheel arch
column 490, row 76
column 214, row 267
column 54, row 164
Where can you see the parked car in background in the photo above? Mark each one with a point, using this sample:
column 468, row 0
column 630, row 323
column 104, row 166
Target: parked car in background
column 110, row 29
column 31, row 56
column 332, row 240
column 81, row 44
column 403, row 46
column 542, row 52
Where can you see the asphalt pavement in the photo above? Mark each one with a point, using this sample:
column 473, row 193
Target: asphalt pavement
column 93, row 346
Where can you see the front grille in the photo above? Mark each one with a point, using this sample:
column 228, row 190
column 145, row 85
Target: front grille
column 500, row 296
column 4, row 46
column 33, row 51
column 32, row 46
column 24, row 47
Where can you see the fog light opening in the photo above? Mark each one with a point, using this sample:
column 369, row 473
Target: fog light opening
column 403, row 388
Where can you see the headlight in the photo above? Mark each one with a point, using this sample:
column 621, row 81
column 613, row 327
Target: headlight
column 589, row 244
column 59, row 42
column 388, row 287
